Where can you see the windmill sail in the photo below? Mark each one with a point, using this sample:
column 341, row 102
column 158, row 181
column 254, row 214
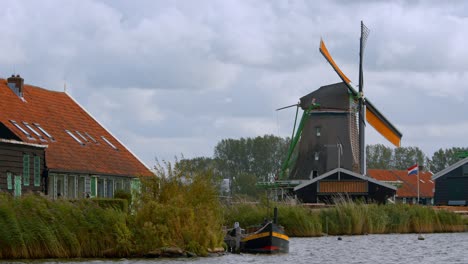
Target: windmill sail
column 381, row 124
column 326, row 54
column 373, row 116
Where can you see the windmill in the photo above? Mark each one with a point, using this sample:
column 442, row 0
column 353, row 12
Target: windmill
column 331, row 132
column 366, row 108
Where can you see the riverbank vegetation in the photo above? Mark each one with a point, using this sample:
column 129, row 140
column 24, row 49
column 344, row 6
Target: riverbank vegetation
column 176, row 210
column 349, row 218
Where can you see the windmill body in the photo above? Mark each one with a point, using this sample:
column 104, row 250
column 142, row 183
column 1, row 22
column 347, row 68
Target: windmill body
column 329, row 138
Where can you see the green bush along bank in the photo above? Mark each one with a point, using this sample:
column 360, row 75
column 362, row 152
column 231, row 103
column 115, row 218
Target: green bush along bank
column 349, row 218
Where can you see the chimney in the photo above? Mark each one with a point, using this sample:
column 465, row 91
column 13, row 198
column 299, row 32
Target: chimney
column 16, row 84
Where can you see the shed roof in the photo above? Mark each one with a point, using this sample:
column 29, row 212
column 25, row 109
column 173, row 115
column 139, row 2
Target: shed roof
column 328, row 174
column 56, row 113
column 450, row 168
column 409, row 184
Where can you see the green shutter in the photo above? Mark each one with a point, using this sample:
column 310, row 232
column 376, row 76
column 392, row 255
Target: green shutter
column 9, row 181
column 17, row 186
column 37, row 171
column 93, row 186
column 26, row 170
column 135, row 186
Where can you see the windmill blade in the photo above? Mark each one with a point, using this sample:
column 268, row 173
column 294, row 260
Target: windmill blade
column 373, row 116
column 287, row 107
column 323, row 49
column 382, row 125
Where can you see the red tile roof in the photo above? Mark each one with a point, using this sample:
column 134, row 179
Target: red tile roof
column 57, row 112
column 409, row 187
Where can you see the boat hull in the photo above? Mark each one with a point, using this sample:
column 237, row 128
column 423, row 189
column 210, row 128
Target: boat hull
column 268, row 240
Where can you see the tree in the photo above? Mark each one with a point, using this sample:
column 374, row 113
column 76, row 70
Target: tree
column 260, row 158
column 379, row 156
column 443, row 158
column 382, row 157
column 405, row 157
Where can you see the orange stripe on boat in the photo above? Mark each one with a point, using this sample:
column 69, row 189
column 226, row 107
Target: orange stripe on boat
column 265, row 234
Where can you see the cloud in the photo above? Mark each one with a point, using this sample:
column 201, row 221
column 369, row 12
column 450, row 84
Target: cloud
column 171, row 77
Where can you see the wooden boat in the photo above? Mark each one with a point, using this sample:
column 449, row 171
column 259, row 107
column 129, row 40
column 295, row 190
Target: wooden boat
column 268, row 238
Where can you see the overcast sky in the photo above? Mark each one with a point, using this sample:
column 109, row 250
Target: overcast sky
column 175, row 77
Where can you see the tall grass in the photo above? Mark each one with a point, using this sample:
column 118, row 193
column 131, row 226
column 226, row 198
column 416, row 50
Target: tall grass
column 350, row 218
column 36, row 227
column 176, row 209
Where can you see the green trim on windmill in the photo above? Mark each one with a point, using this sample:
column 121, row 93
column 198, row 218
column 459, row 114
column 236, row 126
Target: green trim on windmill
column 295, row 139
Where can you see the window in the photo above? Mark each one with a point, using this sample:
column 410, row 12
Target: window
column 95, row 141
column 74, row 137
column 44, row 131
column 465, row 170
column 22, row 129
column 9, row 181
column 26, row 170
column 108, row 142
column 318, row 131
column 316, row 156
column 81, row 135
column 34, row 131
column 37, row 171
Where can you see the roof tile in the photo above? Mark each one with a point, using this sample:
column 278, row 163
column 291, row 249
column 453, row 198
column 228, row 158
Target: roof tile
column 409, row 187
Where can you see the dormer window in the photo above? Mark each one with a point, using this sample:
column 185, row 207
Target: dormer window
column 108, row 142
column 44, row 131
column 74, row 137
column 34, row 131
column 22, row 129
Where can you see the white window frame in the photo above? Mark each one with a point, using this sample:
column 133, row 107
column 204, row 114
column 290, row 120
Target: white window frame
column 44, row 131
column 109, row 143
column 22, row 129
column 74, row 137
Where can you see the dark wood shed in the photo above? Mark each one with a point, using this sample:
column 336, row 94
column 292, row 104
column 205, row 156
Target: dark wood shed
column 343, row 183
column 22, row 167
column 451, row 184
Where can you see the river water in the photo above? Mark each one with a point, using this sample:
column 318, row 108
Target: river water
column 436, row 248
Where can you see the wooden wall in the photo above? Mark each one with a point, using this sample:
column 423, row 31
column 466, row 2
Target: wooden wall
column 11, row 160
column 452, row 186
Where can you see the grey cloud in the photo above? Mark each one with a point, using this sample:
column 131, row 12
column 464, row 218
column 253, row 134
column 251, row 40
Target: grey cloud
column 171, row 77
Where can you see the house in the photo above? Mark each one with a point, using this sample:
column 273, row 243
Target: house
column 451, row 184
column 343, row 183
column 407, row 191
column 22, row 167
column 82, row 158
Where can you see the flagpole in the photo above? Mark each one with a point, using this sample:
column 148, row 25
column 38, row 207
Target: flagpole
column 418, row 180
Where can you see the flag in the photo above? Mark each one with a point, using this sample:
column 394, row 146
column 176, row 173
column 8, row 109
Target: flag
column 413, row 170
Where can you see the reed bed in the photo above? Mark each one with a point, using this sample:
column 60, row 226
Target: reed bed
column 176, row 209
column 350, row 218
column 36, row 227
